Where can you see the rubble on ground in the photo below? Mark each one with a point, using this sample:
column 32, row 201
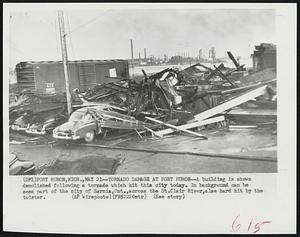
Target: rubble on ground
column 168, row 101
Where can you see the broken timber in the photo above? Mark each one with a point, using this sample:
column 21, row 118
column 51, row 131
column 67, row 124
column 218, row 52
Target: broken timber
column 231, row 103
column 176, row 128
column 202, row 117
column 138, row 133
column 193, row 125
column 224, row 77
column 153, row 132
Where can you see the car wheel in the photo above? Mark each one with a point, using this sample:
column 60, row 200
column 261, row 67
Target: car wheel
column 89, row 136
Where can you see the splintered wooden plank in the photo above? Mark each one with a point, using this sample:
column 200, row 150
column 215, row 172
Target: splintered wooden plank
column 153, row 132
column 176, row 128
column 192, row 125
column 231, row 103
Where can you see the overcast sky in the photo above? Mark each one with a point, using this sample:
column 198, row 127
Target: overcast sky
column 104, row 34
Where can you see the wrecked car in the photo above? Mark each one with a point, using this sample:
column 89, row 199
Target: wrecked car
column 45, row 122
column 23, row 122
column 15, row 114
column 86, row 123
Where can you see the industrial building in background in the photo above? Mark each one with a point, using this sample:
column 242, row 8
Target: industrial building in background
column 47, row 77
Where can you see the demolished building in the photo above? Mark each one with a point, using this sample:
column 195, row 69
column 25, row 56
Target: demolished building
column 264, row 56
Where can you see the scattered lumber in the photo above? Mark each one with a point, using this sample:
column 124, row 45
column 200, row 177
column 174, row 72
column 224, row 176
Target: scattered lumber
column 218, row 109
column 176, row 128
column 153, row 132
column 231, row 103
column 193, row 125
column 230, row 55
column 138, row 133
column 242, row 126
column 213, row 73
column 239, row 89
column 13, row 142
column 236, row 64
column 224, row 77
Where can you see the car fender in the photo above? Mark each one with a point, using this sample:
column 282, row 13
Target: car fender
column 84, row 128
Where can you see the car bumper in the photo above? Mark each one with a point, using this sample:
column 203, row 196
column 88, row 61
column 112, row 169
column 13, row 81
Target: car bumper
column 65, row 136
column 18, row 128
column 35, row 131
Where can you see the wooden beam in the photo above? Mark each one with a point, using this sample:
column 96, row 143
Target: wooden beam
column 231, row 103
column 230, row 55
column 239, row 89
column 176, row 128
column 242, row 126
column 138, row 133
column 153, row 132
column 224, row 77
column 192, row 125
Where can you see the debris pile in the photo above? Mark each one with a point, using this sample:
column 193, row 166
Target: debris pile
column 168, row 101
column 37, row 114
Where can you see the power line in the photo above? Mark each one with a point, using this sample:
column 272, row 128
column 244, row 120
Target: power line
column 88, row 22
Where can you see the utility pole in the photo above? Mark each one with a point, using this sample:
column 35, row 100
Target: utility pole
column 132, row 58
column 65, row 59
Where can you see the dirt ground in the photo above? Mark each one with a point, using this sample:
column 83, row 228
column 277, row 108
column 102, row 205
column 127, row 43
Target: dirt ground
column 246, row 145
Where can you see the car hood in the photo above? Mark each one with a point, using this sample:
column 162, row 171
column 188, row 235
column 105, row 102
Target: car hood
column 70, row 125
column 73, row 125
column 66, row 126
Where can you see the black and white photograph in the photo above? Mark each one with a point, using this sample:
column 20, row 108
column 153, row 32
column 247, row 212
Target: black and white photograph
column 149, row 118
column 142, row 91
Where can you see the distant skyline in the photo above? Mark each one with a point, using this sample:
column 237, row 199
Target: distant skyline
column 106, row 34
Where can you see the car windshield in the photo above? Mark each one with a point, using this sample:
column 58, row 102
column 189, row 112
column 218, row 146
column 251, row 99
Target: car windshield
column 76, row 116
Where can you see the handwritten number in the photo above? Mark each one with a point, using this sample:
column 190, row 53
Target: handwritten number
column 258, row 225
column 256, row 228
column 235, row 227
column 250, row 225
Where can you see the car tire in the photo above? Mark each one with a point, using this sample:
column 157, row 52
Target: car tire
column 89, row 136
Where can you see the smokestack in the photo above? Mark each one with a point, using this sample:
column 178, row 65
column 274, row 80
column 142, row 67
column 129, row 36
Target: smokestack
column 132, row 59
column 145, row 53
column 131, row 45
